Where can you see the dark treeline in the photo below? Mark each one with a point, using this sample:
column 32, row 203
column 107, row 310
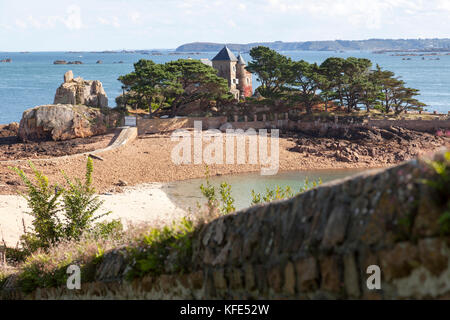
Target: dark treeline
column 351, row 83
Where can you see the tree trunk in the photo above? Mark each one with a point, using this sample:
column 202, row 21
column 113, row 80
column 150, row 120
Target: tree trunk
column 386, row 107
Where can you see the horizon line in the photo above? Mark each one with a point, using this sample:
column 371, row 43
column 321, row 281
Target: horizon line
column 221, row 43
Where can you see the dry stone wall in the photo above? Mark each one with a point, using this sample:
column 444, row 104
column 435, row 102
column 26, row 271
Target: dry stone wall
column 317, row 245
column 146, row 126
column 281, row 122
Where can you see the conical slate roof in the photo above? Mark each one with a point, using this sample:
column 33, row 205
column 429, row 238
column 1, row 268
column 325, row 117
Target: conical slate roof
column 225, row 55
column 240, row 59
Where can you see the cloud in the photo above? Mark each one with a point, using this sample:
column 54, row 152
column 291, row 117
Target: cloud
column 46, row 22
column 73, row 20
column 366, row 13
column 111, row 21
column 444, row 5
column 5, row 26
column 135, row 17
column 232, row 24
column 35, row 23
column 21, row 24
column 174, row 22
column 102, row 20
column 242, row 6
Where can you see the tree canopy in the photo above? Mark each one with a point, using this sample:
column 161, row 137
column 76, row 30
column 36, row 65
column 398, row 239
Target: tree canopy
column 172, row 85
column 349, row 83
column 272, row 69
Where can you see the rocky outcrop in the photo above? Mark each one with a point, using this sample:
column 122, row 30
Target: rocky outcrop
column 356, row 144
column 80, row 91
column 67, row 62
column 62, row 122
column 68, row 76
column 9, row 130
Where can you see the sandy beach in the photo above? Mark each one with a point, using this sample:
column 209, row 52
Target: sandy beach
column 131, row 178
column 148, row 159
column 147, row 203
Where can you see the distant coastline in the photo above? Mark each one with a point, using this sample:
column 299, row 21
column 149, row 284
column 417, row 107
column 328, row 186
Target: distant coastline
column 375, row 45
column 332, row 45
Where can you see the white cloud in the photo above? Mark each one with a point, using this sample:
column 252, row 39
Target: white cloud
column 73, row 20
column 48, row 22
column 173, row 22
column 21, row 24
column 115, row 22
column 102, row 20
column 232, row 24
column 135, row 17
column 111, row 21
column 444, row 4
column 5, row 26
column 366, row 13
column 242, row 6
column 34, row 22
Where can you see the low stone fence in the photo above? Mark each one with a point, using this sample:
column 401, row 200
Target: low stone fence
column 163, row 125
column 419, row 125
column 283, row 122
column 323, row 244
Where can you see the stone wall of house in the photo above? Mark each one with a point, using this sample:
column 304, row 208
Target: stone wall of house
column 317, row 245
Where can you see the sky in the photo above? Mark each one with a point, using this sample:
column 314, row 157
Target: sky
column 60, row 25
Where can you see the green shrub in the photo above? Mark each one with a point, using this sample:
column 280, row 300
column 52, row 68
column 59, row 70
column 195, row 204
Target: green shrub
column 46, row 269
column 166, row 250
column 80, row 205
column 209, row 192
column 279, row 193
column 227, row 201
column 225, row 204
column 78, row 208
column 35, row 274
column 108, row 229
column 43, row 200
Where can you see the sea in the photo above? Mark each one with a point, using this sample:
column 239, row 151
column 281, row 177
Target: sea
column 31, row 78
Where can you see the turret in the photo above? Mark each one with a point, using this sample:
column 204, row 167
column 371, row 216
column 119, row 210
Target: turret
column 244, row 78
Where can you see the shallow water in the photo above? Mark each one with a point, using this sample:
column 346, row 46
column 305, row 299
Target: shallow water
column 187, row 193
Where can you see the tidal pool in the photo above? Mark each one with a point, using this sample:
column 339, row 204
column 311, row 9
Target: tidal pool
column 186, row 194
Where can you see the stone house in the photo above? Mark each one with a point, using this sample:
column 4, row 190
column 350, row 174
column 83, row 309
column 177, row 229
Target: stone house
column 233, row 69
